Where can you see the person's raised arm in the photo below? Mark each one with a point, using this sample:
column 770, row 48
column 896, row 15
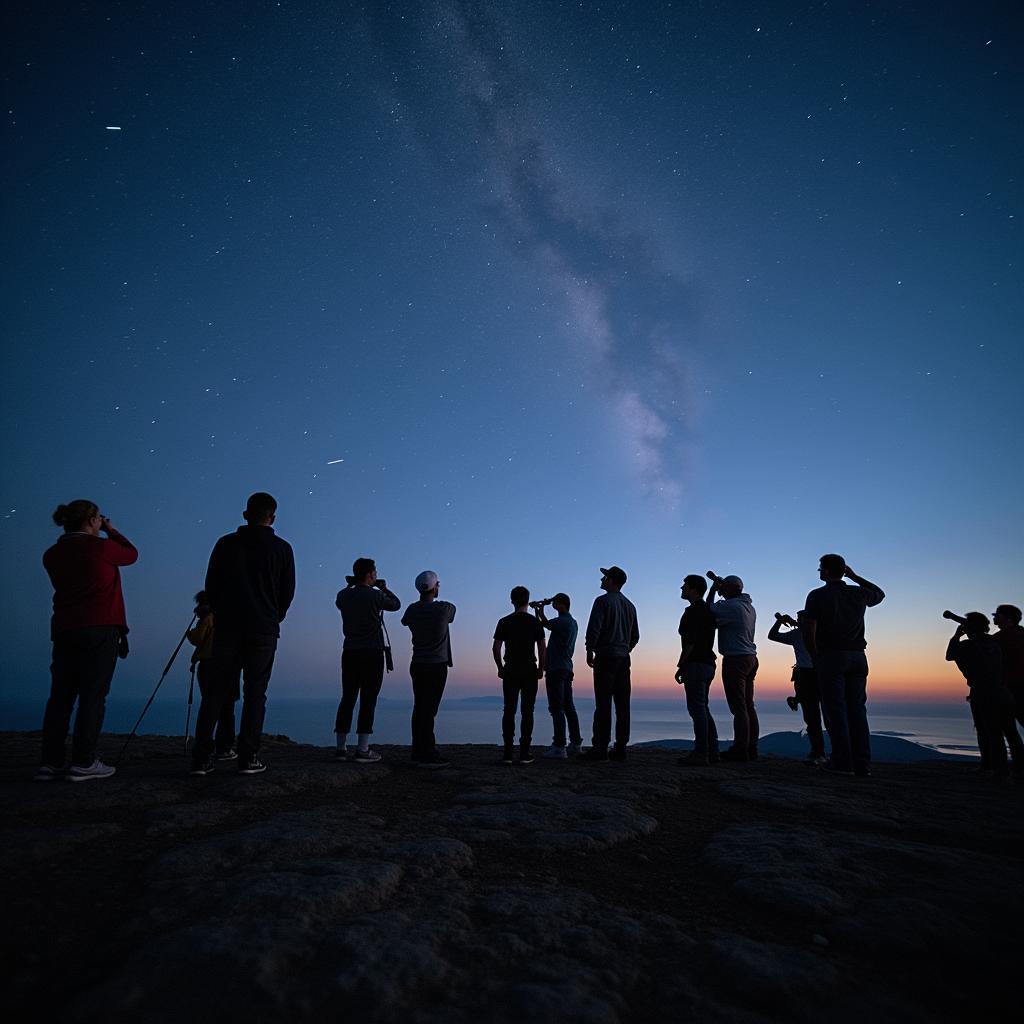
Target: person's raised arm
column 120, row 550
column 875, row 594
column 954, row 643
column 388, row 602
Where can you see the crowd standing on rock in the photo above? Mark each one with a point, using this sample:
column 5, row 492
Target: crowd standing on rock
column 250, row 584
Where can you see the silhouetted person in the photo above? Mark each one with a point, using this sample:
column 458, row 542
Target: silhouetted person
column 250, row 583
column 362, row 605
column 520, row 669
column 833, row 629
column 1010, row 637
column 88, row 630
column 201, row 637
column 428, row 619
column 559, row 674
column 735, row 618
column 979, row 658
column 612, row 634
column 805, row 683
column 696, row 670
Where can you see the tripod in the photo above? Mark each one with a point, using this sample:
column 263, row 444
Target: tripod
column 163, row 676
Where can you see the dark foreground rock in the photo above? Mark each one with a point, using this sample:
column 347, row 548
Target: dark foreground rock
column 550, row 892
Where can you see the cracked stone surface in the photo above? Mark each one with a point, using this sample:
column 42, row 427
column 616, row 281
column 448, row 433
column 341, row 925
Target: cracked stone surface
column 551, row 892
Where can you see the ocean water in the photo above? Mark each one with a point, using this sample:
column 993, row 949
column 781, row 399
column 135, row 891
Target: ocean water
column 946, row 727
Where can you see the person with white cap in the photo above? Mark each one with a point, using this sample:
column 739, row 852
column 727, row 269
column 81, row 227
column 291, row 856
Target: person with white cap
column 428, row 620
column 735, row 618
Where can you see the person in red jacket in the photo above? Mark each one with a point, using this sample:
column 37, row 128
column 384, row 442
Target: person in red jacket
column 89, row 630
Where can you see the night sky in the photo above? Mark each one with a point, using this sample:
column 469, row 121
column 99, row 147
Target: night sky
column 513, row 292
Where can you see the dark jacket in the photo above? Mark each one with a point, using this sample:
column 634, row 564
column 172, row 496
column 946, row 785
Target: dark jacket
column 250, row 581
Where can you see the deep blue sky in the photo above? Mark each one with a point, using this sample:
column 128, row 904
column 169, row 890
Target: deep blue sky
column 676, row 286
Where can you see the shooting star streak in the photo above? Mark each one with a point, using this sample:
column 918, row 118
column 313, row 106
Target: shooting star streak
column 334, row 462
column 113, row 127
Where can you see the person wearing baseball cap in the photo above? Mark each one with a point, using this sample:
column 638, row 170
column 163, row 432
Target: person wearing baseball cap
column 428, row 620
column 612, row 633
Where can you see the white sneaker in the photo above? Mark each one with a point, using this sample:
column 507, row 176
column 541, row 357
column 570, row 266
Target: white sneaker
column 97, row 770
column 554, row 753
column 367, row 756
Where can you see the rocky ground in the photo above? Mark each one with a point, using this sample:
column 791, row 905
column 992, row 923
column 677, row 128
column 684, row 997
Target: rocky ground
column 543, row 893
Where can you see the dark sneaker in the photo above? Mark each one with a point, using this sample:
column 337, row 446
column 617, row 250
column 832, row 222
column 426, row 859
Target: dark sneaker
column 434, row 760
column 734, row 755
column 207, row 767
column 47, row 773
column 251, row 766
column 508, row 757
column 692, row 761
column 525, row 757
column 617, row 753
column 97, row 770
column 829, row 767
column 228, row 755
column 816, row 760
column 862, row 773
column 593, row 754
column 367, row 756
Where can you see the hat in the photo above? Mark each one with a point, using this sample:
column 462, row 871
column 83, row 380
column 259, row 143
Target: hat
column 733, row 581
column 616, row 575
column 426, row 581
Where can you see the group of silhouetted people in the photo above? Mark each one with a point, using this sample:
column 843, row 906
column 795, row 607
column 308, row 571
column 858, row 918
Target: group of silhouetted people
column 994, row 669
column 250, row 584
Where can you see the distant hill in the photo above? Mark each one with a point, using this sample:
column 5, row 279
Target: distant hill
column 884, row 748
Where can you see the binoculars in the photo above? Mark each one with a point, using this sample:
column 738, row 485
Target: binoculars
column 537, row 605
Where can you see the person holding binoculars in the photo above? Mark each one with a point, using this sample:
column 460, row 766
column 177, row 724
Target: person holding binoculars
column 362, row 605
column 558, row 675
column 805, row 683
column 980, row 659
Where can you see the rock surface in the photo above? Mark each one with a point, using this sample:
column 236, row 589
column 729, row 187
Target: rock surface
column 550, row 892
